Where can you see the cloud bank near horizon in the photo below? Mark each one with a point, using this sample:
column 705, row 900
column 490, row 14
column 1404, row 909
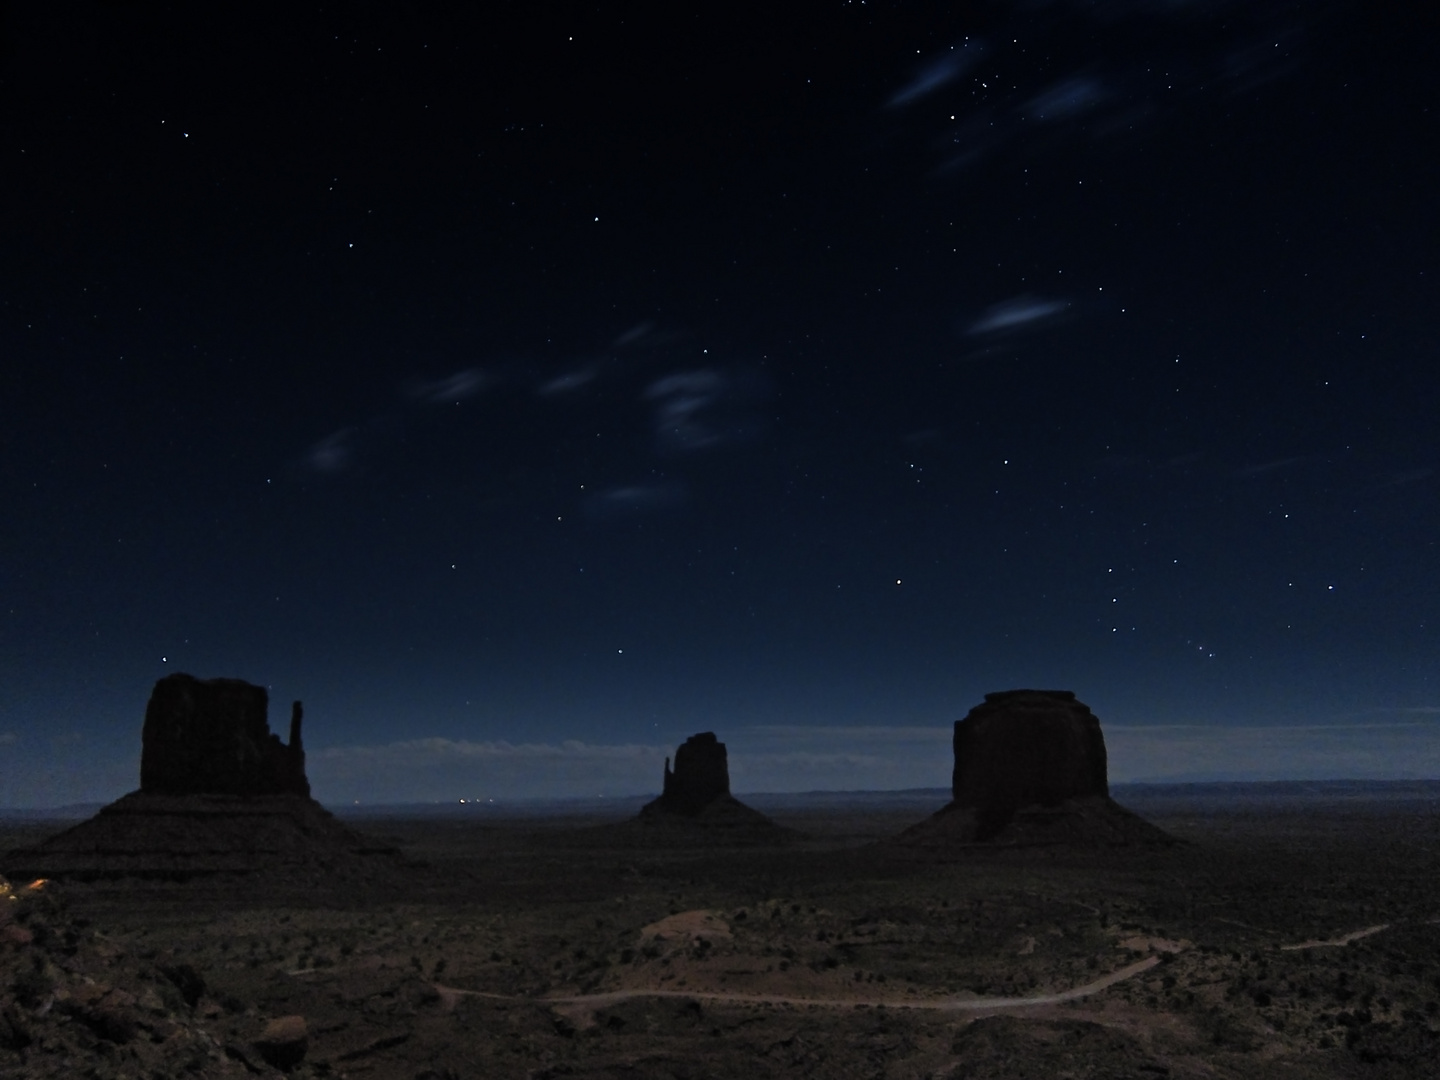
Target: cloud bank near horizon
column 779, row 759
column 793, row 758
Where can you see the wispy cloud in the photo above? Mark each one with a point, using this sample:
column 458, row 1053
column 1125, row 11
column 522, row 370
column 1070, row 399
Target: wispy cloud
column 1275, row 465
column 456, row 387
column 568, row 382
column 334, row 453
column 789, row 758
column 633, row 499
column 996, row 107
column 1063, row 100
column 427, row 750
column 856, row 733
column 443, row 768
column 1398, row 750
column 1409, row 476
column 634, row 334
column 1012, row 314
column 936, row 72
column 706, row 407
column 681, row 401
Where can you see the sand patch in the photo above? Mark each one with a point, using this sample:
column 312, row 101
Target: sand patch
column 1143, row 944
column 698, row 925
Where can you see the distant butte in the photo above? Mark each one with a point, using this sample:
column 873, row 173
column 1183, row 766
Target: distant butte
column 1031, row 769
column 696, row 794
column 701, row 775
column 219, row 794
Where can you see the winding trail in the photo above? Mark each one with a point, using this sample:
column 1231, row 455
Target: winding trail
column 966, row 1004
column 589, row 1002
column 1346, row 939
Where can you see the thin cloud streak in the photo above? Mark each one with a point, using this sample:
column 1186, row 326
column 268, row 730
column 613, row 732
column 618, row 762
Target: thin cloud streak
column 936, row 73
column 1015, row 313
column 452, row 388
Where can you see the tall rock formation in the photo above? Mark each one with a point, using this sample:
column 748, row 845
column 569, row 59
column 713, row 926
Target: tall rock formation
column 211, row 736
column 1030, row 768
column 219, row 795
column 696, row 800
column 1027, row 748
column 702, row 774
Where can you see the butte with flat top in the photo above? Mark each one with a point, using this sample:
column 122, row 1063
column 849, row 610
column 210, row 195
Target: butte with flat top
column 1030, row 770
column 695, row 798
column 219, row 794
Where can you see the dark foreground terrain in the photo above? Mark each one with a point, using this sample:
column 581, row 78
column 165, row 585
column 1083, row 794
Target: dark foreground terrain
column 1296, row 934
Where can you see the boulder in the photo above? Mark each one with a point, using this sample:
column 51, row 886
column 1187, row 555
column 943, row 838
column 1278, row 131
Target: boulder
column 211, row 736
column 74, row 1002
column 284, row 1042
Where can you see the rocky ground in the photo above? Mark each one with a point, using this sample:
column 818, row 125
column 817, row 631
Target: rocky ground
column 1288, row 944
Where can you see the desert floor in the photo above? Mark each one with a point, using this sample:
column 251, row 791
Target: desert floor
column 1295, row 934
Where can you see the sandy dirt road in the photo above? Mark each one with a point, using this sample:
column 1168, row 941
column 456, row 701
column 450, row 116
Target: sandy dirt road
column 966, row 1004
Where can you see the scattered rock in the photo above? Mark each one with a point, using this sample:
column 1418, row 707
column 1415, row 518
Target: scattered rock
column 186, row 980
column 689, row 926
column 1009, row 1048
column 284, row 1041
column 74, row 1004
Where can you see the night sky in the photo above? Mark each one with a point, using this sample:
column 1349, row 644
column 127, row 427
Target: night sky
column 528, row 386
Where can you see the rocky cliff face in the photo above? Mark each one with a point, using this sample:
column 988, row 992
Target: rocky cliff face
column 1027, row 748
column 1030, row 769
column 696, row 800
column 701, row 775
column 211, row 737
column 219, row 795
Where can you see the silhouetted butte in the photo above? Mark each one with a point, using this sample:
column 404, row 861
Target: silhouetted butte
column 218, row 794
column 697, row 793
column 1030, row 768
